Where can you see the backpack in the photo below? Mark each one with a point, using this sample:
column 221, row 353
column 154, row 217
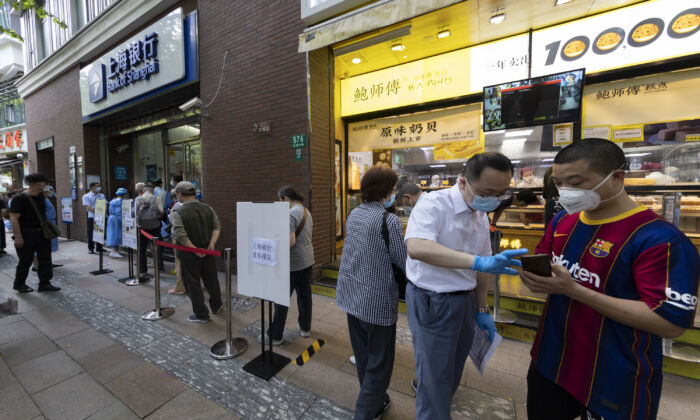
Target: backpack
column 148, row 216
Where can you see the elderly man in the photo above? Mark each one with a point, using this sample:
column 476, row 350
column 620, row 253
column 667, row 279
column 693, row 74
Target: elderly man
column 149, row 213
column 196, row 225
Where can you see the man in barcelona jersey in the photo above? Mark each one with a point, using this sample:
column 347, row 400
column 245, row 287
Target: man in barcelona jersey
column 622, row 278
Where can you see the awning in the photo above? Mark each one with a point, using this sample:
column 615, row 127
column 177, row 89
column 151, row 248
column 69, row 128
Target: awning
column 365, row 19
column 10, row 162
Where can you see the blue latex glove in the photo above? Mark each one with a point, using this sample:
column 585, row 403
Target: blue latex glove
column 486, row 323
column 499, row 263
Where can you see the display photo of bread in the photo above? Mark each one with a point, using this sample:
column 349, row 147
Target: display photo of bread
column 645, row 32
column 575, row 47
column 685, row 23
column 608, row 40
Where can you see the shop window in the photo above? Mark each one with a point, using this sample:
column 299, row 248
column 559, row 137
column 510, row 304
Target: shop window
column 78, row 14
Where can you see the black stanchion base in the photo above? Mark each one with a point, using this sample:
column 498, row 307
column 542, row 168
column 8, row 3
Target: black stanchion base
column 267, row 365
column 103, row 271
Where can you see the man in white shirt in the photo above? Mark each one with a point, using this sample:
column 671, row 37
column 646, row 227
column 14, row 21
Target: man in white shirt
column 89, row 201
column 448, row 243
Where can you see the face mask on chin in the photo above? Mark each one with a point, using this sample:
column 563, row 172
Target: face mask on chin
column 575, row 200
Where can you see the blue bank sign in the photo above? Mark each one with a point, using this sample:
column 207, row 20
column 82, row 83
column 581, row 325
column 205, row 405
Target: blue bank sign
column 152, row 59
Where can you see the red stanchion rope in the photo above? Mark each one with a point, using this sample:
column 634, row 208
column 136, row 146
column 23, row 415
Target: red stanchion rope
column 181, row 247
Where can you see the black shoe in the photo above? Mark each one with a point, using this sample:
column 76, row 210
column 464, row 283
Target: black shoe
column 23, row 289
column 49, row 288
column 34, row 269
column 56, row 265
column 217, row 310
column 195, row 318
column 385, row 408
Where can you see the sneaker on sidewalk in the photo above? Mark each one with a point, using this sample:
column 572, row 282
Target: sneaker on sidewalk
column 274, row 342
column 195, row 318
column 385, row 408
column 302, row 332
column 176, row 292
column 115, row 254
column 352, row 360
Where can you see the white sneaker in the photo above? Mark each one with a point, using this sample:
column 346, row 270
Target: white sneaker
column 302, row 332
column 274, row 342
column 352, row 359
column 115, row 254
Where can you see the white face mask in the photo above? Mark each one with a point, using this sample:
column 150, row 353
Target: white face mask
column 575, row 200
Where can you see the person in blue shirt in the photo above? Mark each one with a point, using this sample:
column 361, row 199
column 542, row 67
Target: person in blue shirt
column 114, row 223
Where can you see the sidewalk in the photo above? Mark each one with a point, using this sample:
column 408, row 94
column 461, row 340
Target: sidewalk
column 84, row 352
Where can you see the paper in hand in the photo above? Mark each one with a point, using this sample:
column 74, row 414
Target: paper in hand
column 482, row 349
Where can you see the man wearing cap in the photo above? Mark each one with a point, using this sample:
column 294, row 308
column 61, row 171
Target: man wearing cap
column 26, row 226
column 114, row 223
column 196, row 225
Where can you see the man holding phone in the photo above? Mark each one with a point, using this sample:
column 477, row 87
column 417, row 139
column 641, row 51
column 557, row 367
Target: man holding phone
column 449, row 250
column 622, row 278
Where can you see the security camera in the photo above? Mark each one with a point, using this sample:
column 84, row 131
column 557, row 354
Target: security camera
column 122, row 148
column 191, row 104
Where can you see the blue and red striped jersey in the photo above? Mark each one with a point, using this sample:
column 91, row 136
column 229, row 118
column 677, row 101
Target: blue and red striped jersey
column 614, row 369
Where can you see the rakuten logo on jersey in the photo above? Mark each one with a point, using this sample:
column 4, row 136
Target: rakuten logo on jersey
column 677, row 299
column 577, row 272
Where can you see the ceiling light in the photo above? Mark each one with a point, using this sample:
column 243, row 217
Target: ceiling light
column 356, row 60
column 548, row 160
column 637, row 154
column 519, row 140
column 427, row 148
column 514, row 161
column 561, row 2
column 438, row 166
column 444, row 33
column 499, row 17
column 405, row 56
column 519, row 133
column 398, row 47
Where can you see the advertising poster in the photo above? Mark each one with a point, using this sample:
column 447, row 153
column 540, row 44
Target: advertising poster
column 98, row 233
column 128, row 226
column 66, row 210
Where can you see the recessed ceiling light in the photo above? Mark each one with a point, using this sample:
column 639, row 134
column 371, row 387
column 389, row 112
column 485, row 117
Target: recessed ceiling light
column 444, row 33
column 398, row 47
column 438, row 166
column 560, row 2
column 637, row 154
column 497, row 18
column 519, row 133
column 405, row 56
column 356, row 60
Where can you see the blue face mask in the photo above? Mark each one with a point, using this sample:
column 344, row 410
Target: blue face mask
column 52, row 194
column 390, row 203
column 485, row 204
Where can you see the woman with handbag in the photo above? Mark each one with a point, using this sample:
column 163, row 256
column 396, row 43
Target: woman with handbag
column 368, row 288
column 301, row 261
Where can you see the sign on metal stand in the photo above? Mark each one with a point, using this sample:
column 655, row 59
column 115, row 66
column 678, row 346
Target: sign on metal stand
column 99, row 232
column 159, row 312
column 229, row 347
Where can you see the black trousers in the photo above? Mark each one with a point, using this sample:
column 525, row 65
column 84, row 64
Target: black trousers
column 90, row 229
column 3, row 239
column 34, row 242
column 548, row 401
column 373, row 346
column 193, row 269
column 143, row 261
column 301, row 282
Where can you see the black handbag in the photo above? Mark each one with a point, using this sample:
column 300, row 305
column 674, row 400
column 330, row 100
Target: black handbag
column 399, row 274
column 48, row 229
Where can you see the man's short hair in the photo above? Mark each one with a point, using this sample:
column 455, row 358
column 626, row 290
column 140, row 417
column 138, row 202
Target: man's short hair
column 157, row 182
column 377, row 183
column 601, row 155
column 527, row 197
column 406, row 186
column 35, row 178
column 93, row 184
column 477, row 163
column 150, row 185
column 185, row 188
column 177, row 179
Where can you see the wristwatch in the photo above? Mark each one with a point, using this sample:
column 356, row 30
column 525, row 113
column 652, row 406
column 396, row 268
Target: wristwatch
column 484, row 309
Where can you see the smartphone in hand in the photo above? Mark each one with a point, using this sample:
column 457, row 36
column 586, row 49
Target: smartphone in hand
column 537, row 264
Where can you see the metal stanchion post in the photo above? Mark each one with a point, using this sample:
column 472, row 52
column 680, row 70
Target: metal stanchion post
column 499, row 315
column 230, row 347
column 138, row 280
column 158, row 312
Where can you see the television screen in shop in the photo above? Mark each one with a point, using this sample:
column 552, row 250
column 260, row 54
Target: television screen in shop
column 551, row 99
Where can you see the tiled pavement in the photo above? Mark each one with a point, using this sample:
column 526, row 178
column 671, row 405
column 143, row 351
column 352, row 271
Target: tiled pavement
column 84, row 352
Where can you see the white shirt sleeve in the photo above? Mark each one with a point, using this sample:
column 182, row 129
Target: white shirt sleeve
column 86, row 200
column 424, row 222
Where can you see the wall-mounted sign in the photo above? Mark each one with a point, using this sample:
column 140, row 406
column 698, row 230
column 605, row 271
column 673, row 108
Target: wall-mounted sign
column 44, row 144
column 13, row 141
column 451, row 125
column 563, row 134
column 637, row 34
column 67, row 210
column 498, row 62
column 298, row 141
column 262, row 128
column 151, row 59
column 120, row 173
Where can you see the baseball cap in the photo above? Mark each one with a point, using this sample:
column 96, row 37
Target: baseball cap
column 185, row 188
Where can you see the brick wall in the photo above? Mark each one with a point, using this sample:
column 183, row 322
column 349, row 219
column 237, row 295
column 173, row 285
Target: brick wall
column 55, row 111
column 264, row 79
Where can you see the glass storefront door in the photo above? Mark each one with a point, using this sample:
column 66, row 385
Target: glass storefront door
column 185, row 159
